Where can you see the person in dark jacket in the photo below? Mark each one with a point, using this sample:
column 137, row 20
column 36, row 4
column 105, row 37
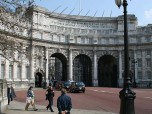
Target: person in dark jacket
column 50, row 95
column 10, row 93
column 64, row 103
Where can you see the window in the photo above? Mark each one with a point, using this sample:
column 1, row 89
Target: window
column 139, row 53
column 27, row 72
column 148, row 62
column 82, row 40
column 139, row 62
column 2, row 71
column 41, row 35
column 138, row 40
column 99, row 41
column 88, row 40
column 139, row 75
column 148, row 52
column 19, row 72
column 10, row 71
column 149, row 76
column 148, row 39
column 51, row 37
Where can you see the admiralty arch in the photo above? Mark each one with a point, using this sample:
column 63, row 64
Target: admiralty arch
column 82, row 48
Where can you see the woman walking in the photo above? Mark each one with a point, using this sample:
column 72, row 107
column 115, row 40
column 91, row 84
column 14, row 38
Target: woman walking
column 30, row 99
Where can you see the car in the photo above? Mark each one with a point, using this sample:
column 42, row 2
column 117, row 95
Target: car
column 59, row 85
column 67, row 85
column 77, row 86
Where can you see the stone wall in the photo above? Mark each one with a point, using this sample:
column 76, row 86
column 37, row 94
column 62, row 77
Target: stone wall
column 3, row 95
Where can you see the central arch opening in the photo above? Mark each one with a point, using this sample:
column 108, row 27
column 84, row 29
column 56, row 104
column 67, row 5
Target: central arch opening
column 82, row 69
column 107, row 71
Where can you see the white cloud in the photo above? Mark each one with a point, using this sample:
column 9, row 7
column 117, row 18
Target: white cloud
column 148, row 14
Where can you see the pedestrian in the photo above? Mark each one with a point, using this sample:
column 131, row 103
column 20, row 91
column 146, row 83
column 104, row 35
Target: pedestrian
column 10, row 93
column 49, row 96
column 30, row 99
column 64, row 103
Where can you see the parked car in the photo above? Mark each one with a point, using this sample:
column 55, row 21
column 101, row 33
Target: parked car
column 67, row 85
column 77, row 86
column 59, row 85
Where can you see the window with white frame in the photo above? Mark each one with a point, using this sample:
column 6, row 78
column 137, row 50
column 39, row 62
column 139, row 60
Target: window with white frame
column 19, row 72
column 139, row 76
column 148, row 62
column 148, row 39
column 148, row 52
column 83, row 40
column 10, row 71
column 99, row 41
column 138, row 40
column 27, row 72
column 2, row 71
column 41, row 35
column 139, row 63
column 139, row 53
column 88, row 40
column 149, row 76
column 51, row 37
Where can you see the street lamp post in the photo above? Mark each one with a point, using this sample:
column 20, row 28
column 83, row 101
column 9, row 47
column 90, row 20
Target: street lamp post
column 126, row 95
column 134, row 81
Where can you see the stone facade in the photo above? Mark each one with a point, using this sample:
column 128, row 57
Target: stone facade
column 97, row 40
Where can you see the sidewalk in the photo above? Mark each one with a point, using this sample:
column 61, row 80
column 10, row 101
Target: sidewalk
column 18, row 108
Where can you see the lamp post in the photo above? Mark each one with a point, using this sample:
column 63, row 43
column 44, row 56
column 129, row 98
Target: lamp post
column 134, row 81
column 126, row 95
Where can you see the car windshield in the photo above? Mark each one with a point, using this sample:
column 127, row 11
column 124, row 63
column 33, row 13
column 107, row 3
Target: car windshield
column 67, row 83
column 79, row 83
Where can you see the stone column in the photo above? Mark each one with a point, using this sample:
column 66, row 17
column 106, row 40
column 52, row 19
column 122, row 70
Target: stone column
column 135, row 58
column 0, row 63
column 23, row 67
column 23, row 74
column 46, row 65
column 120, row 80
column 31, row 77
column 6, row 76
column 70, row 66
column 15, row 78
column 95, row 77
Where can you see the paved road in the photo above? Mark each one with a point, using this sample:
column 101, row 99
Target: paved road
column 97, row 99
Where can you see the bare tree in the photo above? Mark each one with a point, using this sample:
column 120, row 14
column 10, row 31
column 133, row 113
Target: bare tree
column 13, row 23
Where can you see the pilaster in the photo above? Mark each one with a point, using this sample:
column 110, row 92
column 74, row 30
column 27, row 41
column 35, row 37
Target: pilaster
column 95, row 78
column 15, row 78
column 120, row 79
column 47, row 62
column 70, row 77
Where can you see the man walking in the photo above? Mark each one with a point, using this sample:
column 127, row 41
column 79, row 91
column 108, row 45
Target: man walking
column 64, row 103
column 10, row 93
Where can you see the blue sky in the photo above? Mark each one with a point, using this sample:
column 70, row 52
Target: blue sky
column 106, row 8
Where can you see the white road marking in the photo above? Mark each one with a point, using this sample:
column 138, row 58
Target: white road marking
column 148, row 97
column 103, row 91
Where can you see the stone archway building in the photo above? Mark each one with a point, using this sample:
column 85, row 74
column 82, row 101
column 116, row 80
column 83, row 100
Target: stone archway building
column 53, row 34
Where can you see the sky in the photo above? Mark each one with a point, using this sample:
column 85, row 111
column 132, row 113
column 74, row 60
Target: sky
column 142, row 9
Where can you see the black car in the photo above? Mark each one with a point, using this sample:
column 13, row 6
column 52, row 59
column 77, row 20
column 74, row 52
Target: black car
column 67, row 85
column 77, row 86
